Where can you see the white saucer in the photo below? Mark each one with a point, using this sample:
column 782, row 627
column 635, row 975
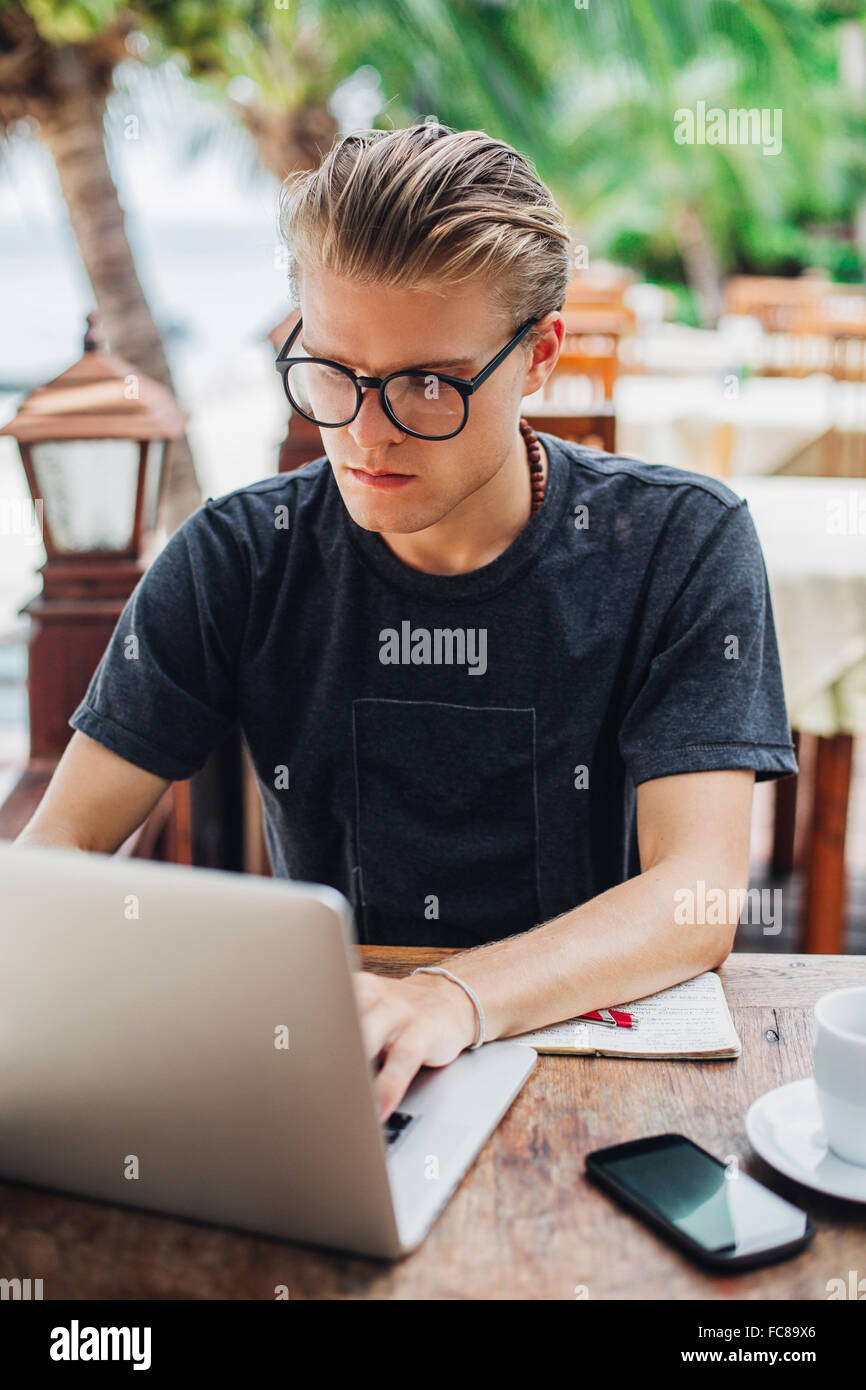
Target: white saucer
column 786, row 1128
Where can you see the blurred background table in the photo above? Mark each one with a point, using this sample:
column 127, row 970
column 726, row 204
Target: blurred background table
column 720, row 424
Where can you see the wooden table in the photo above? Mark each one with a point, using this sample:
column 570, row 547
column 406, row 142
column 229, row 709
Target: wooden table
column 524, row 1223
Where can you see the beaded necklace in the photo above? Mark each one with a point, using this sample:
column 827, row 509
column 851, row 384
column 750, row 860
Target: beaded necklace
column 536, row 467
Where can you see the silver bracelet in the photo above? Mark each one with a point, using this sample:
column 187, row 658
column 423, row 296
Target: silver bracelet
column 439, row 970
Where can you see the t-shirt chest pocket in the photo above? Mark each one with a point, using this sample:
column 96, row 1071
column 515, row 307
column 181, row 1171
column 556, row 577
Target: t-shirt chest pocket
column 446, row 821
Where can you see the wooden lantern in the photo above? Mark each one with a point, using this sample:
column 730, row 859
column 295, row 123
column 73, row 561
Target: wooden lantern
column 94, row 443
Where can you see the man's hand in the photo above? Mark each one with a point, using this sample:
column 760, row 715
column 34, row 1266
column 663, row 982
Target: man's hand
column 419, row 1021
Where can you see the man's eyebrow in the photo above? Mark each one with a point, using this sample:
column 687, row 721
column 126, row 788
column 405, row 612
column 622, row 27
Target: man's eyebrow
column 439, row 366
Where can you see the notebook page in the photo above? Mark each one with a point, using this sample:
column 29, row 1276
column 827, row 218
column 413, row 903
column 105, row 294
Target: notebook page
column 689, row 1017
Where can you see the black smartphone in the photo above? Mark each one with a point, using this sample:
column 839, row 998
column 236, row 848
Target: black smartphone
column 717, row 1214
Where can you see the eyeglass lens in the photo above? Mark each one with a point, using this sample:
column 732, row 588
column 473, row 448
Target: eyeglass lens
column 421, row 401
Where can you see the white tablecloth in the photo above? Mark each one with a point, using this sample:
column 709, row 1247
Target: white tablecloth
column 677, row 420
column 813, row 534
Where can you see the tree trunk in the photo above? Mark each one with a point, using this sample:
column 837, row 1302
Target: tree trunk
column 288, row 140
column 851, row 42
column 74, row 134
column 701, row 267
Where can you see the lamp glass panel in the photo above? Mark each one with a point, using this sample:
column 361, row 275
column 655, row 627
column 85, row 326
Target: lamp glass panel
column 155, row 460
column 88, row 487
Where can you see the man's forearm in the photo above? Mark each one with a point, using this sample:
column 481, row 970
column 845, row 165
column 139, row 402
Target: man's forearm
column 45, row 838
column 619, row 946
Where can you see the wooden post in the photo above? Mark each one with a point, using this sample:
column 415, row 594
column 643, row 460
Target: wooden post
column 825, row 892
column 785, row 821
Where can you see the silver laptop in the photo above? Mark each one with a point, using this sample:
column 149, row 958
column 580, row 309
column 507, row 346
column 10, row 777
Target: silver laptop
column 187, row 1040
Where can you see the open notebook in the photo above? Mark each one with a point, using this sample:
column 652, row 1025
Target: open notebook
column 691, row 1020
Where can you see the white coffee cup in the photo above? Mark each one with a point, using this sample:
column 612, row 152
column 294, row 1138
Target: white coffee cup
column 840, row 1070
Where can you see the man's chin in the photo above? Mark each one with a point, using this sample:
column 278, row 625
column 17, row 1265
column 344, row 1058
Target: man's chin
column 376, row 519
column 389, row 513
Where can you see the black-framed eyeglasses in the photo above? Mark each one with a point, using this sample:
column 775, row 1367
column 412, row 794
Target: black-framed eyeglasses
column 426, row 404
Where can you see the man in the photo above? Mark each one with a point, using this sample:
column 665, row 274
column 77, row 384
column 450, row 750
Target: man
column 524, row 734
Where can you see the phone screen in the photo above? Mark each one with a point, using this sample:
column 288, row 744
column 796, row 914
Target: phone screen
column 725, row 1212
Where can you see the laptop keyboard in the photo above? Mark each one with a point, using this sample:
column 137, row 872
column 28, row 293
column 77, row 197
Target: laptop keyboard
column 396, row 1124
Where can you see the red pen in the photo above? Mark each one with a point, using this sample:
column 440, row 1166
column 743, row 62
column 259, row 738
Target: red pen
column 610, row 1018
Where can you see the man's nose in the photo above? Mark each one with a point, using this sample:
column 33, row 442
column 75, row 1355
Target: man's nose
column 371, row 425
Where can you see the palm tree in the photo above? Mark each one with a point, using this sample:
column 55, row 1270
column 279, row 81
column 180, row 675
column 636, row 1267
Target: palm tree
column 57, row 66
column 63, row 86
column 589, row 95
column 711, row 206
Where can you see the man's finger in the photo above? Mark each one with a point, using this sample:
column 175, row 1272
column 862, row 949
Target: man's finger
column 381, row 1019
column 404, row 1057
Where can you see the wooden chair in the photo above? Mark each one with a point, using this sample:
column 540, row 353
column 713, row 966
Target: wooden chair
column 595, row 428
column 795, row 343
column 773, row 300
column 576, row 401
column 840, row 316
column 589, row 363
column 593, row 360
column 599, row 287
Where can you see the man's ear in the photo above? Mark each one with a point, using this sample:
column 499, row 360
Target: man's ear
column 547, row 338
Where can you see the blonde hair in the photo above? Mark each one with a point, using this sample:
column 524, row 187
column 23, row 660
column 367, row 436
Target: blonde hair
column 427, row 206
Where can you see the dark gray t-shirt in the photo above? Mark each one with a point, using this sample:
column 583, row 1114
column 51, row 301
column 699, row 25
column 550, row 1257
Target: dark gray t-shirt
column 458, row 754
